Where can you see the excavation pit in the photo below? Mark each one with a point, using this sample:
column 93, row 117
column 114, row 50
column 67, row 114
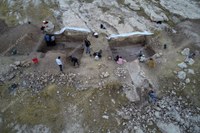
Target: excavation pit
column 68, row 43
column 129, row 48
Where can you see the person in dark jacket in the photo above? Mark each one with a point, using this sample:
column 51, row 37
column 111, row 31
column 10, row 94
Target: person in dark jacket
column 152, row 97
column 99, row 54
column 47, row 39
column 116, row 58
column 74, row 60
column 87, row 46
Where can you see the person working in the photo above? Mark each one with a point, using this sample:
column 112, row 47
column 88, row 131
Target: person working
column 152, row 97
column 97, row 55
column 121, row 61
column 151, row 63
column 59, row 63
column 87, row 46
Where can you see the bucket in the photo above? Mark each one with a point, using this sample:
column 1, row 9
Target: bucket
column 35, row 60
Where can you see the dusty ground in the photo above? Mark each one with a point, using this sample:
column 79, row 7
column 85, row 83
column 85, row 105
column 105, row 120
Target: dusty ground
column 82, row 101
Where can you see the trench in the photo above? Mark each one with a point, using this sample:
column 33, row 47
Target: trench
column 67, row 43
column 129, row 48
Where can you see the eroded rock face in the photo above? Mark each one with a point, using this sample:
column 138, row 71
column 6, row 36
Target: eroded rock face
column 132, row 4
column 168, row 128
column 154, row 12
column 117, row 17
column 187, row 8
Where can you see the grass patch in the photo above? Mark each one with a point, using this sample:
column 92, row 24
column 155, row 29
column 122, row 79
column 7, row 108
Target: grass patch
column 103, row 102
column 42, row 108
column 4, row 9
column 50, row 108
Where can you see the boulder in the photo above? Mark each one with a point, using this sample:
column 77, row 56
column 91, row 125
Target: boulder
column 189, row 61
column 13, row 66
column 185, row 51
column 168, row 128
column 182, row 65
column 181, row 75
column 157, row 114
column 138, row 130
column 187, row 81
column 17, row 63
column 105, row 116
column 106, row 74
column 190, row 71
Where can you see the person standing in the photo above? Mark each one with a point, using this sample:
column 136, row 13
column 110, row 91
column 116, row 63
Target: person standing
column 47, row 39
column 152, row 97
column 87, row 46
column 59, row 63
column 151, row 63
column 53, row 42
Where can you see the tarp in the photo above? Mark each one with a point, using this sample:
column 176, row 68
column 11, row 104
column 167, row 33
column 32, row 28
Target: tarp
column 129, row 34
column 72, row 29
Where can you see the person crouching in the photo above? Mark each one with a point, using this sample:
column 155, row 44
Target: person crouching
column 97, row 55
column 74, row 60
column 121, row 61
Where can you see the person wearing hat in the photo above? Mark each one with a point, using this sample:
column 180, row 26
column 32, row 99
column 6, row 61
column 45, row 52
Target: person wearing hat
column 44, row 25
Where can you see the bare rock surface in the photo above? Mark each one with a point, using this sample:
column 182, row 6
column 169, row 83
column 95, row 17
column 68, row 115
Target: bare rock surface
column 186, row 8
column 153, row 11
column 132, row 4
column 168, row 128
column 131, row 93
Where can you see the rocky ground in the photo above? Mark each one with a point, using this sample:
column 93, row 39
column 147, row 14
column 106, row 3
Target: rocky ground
column 100, row 96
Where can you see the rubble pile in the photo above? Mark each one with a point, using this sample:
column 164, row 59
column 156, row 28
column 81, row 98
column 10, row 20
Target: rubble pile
column 189, row 61
column 37, row 81
column 120, row 72
column 172, row 114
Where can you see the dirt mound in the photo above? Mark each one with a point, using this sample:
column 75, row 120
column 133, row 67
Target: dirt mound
column 3, row 26
column 22, row 39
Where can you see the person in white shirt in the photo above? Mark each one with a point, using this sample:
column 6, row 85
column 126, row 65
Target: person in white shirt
column 59, row 63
